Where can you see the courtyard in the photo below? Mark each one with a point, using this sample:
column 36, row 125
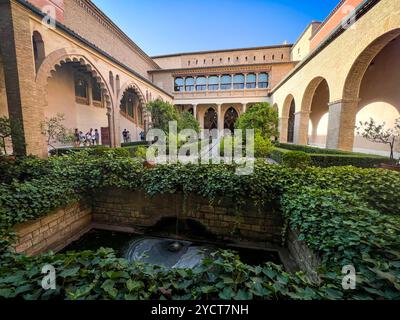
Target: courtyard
column 264, row 173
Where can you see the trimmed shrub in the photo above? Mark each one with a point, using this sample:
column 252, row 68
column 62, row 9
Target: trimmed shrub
column 135, row 144
column 262, row 146
column 336, row 160
column 309, row 149
column 296, row 159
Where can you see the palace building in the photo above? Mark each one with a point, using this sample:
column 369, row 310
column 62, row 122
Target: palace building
column 339, row 72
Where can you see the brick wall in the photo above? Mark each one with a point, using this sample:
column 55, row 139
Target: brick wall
column 54, row 231
column 90, row 23
column 135, row 209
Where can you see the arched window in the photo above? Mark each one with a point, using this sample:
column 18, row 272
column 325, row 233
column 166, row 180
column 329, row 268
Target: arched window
column 178, row 84
column 81, row 88
column 238, row 81
column 129, row 104
column 251, row 81
column 210, row 119
column 111, row 80
column 230, row 119
column 189, row 84
column 201, row 84
column 96, row 93
column 213, row 83
column 226, row 82
column 263, row 80
column 38, row 49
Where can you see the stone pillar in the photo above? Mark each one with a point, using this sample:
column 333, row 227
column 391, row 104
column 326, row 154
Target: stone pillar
column 341, row 125
column 244, row 108
column 220, row 117
column 19, row 72
column 283, row 129
column 195, row 111
column 301, row 122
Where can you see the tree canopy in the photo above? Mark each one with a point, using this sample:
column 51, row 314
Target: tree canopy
column 262, row 118
column 163, row 112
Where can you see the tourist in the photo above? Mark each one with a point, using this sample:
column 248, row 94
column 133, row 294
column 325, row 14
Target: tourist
column 88, row 139
column 97, row 137
column 128, row 136
column 82, row 139
column 125, row 135
column 93, row 137
column 142, row 136
column 77, row 138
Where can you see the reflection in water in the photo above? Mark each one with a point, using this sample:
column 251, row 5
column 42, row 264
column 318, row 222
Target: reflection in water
column 164, row 252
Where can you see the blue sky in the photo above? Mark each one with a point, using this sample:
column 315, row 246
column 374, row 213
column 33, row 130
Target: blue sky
column 171, row 26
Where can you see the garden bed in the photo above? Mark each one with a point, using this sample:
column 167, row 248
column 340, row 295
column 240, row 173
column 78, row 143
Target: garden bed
column 330, row 158
column 345, row 215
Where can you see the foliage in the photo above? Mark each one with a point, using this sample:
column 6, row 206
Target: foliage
column 345, row 214
column 161, row 114
column 55, row 131
column 260, row 117
column 9, row 129
column 377, row 133
column 140, row 152
column 309, row 149
column 296, row 159
column 134, row 144
column 326, row 160
column 344, row 230
column 262, row 146
column 101, row 276
column 187, row 121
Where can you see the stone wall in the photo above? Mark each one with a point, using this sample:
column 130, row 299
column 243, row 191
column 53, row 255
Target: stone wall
column 54, row 231
column 137, row 210
column 304, row 257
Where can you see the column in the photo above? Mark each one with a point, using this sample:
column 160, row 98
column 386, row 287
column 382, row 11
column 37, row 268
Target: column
column 301, row 122
column 244, row 108
column 283, row 129
column 195, row 111
column 19, row 74
column 220, row 118
column 341, row 125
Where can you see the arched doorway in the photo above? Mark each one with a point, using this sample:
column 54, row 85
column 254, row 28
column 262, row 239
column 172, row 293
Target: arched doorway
column 230, row 119
column 132, row 113
column 371, row 87
column 68, row 83
column 380, row 96
column 211, row 119
column 291, row 121
column 315, row 106
column 76, row 93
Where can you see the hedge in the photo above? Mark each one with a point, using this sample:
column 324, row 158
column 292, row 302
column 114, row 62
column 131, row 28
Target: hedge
column 339, row 159
column 346, row 215
column 135, row 144
column 310, row 149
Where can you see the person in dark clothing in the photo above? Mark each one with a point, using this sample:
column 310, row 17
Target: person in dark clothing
column 125, row 135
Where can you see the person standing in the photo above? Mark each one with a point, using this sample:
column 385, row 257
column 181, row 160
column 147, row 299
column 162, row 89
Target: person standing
column 88, row 139
column 125, row 135
column 97, row 137
column 77, row 139
column 81, row 139
column 128, row 136
column 93, row 137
